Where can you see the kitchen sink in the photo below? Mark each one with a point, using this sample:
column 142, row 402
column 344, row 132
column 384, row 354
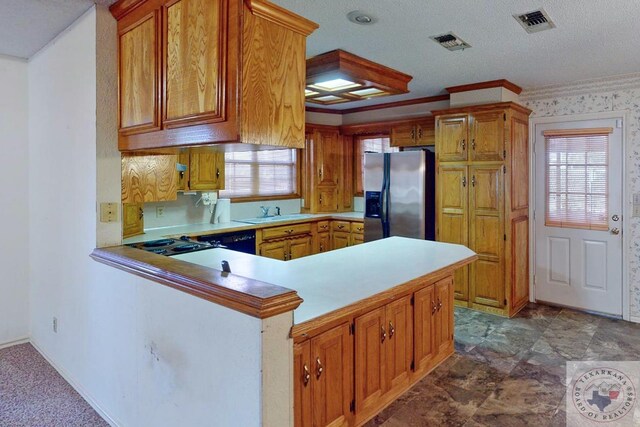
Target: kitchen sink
column 276, row 218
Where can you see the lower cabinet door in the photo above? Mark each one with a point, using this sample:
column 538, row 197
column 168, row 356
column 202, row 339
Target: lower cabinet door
column 341, row 239
column 324, row 242
column 371, row 336
column 302, row 384
column 331, row 377
column 299, row 247
column 399, row 347
column 132, row 219
column 425, row 308
column 444, row 314
column 275, row 250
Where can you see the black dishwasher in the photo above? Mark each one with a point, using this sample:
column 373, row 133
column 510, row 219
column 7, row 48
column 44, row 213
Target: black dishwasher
column 241, row 241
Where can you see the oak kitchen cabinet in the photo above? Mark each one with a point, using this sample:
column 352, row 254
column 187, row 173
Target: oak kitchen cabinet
column 132, row 219
column 413, row 133
column 195, row 72
column 482, row 201
column 149, row 178
column 322, row 241
column 346, row 233
column 327, row 170
column 386, row 348
column 204, row 170
column 285, row 242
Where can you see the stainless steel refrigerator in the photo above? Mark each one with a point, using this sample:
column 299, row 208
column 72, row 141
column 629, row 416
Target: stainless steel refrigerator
column 399, row 195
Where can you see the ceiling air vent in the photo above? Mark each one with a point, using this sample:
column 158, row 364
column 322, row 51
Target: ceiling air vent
column 450, row 41
column 535, row 21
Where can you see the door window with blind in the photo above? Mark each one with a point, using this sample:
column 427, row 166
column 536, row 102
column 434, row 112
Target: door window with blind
column 261, row 174
column 576, row 178
column 369, row 144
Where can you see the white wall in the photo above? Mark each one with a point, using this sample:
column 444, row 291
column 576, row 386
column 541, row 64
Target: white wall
column 142, row 353
column 14, row 214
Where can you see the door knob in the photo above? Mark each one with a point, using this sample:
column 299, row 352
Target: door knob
column 615, row 231
column 615, row 218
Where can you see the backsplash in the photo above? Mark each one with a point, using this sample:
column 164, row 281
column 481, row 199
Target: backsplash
column 620, row 93
column 184, row 211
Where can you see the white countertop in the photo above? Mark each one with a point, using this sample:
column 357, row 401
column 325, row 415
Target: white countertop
column 180, row 230
column 335, row 279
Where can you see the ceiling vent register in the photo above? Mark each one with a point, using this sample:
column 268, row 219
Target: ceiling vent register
column 450, row 41
column 535, row 21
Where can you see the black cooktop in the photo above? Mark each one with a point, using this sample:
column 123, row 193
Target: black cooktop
column 171, row 246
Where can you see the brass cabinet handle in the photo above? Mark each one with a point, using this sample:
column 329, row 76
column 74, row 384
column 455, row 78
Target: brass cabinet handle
column 341, row 227
column 439, row 304
column 413, row 133
column 321, row 199
column 217, row 172
column 319, row 368
column 141, row 213
column 324, row 227
column 306, row 376
column 464, row 181
column 473, row 144
column 419, row 133
column 360, row 228
column 473, row 180
column 464, row 145
column 383, row 334
column 321, row 248
column 289, row 231
column 392, row 330
column 320, row 173
column 434, row 308
column 290, row 256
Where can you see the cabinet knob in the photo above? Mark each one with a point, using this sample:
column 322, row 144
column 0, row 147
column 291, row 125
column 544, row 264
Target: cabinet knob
column 439, row 304
column 217, row 172
column 341, row 227
column 413, row 133
column 473, row 144
column 321, row 247
column 419, row 133
column 464, row 181
column 383, row 334
column 319, row 368
column 473, row 180
column 392, row 330
column 290, row 256
column 463, row 144
column 141, row 213
column 306, row 375
column 434, row 308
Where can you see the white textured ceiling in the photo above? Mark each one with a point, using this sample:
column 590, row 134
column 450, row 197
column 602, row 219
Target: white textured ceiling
column 593, row 38
column 26, row 26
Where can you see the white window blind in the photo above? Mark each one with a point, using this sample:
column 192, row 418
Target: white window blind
column 260, row 173
column 370, row 144
column 577, row 173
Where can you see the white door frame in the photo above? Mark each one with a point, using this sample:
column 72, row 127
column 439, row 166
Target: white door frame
column 626, row 204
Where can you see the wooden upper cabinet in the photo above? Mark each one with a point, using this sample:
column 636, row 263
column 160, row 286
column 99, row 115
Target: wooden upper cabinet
column 487, row 136
column 149, row 178
column 194, row 59
column 206, row 170
column 188, row 57
column 139, row 70
column 330, row 158
column 413, row 133
column 453, row 139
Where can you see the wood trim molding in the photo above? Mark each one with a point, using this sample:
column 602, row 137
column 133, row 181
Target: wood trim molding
column 484, row 107
column 382, row 127
column 578, row 132
column 252, row 297
column 122, row 7
column 414, row 101
column 280, row 16
column 486, row 85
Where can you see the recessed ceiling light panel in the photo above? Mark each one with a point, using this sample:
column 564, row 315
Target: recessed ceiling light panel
column 361, row 18
column 450, row 41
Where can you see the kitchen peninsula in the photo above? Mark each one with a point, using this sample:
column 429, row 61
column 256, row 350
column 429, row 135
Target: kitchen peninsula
column 390, row 301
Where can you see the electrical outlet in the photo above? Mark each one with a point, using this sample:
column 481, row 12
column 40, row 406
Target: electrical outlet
column 159, row 211
column 54, row 324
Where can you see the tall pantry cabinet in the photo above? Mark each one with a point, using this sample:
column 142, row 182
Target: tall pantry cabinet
column 482, row 201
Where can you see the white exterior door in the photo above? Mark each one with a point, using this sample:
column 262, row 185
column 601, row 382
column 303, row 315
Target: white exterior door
column 578, row 215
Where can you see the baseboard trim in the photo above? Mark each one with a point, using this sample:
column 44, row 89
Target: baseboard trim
column 14, row 342
column 81, row 390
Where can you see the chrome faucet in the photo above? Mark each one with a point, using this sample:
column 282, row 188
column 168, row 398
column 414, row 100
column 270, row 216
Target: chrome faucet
column 265, row 211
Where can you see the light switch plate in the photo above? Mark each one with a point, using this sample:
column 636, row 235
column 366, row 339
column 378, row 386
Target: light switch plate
column 108, row 212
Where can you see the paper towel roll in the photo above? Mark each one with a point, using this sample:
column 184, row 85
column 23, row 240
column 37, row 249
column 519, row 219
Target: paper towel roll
column 222, row 213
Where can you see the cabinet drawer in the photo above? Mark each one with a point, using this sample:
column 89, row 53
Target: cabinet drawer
column 357, row 227
column 286, row 231
column 341, row 226
column 323, row 226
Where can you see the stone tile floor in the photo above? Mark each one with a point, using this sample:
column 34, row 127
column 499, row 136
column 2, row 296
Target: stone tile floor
column 510, row 372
